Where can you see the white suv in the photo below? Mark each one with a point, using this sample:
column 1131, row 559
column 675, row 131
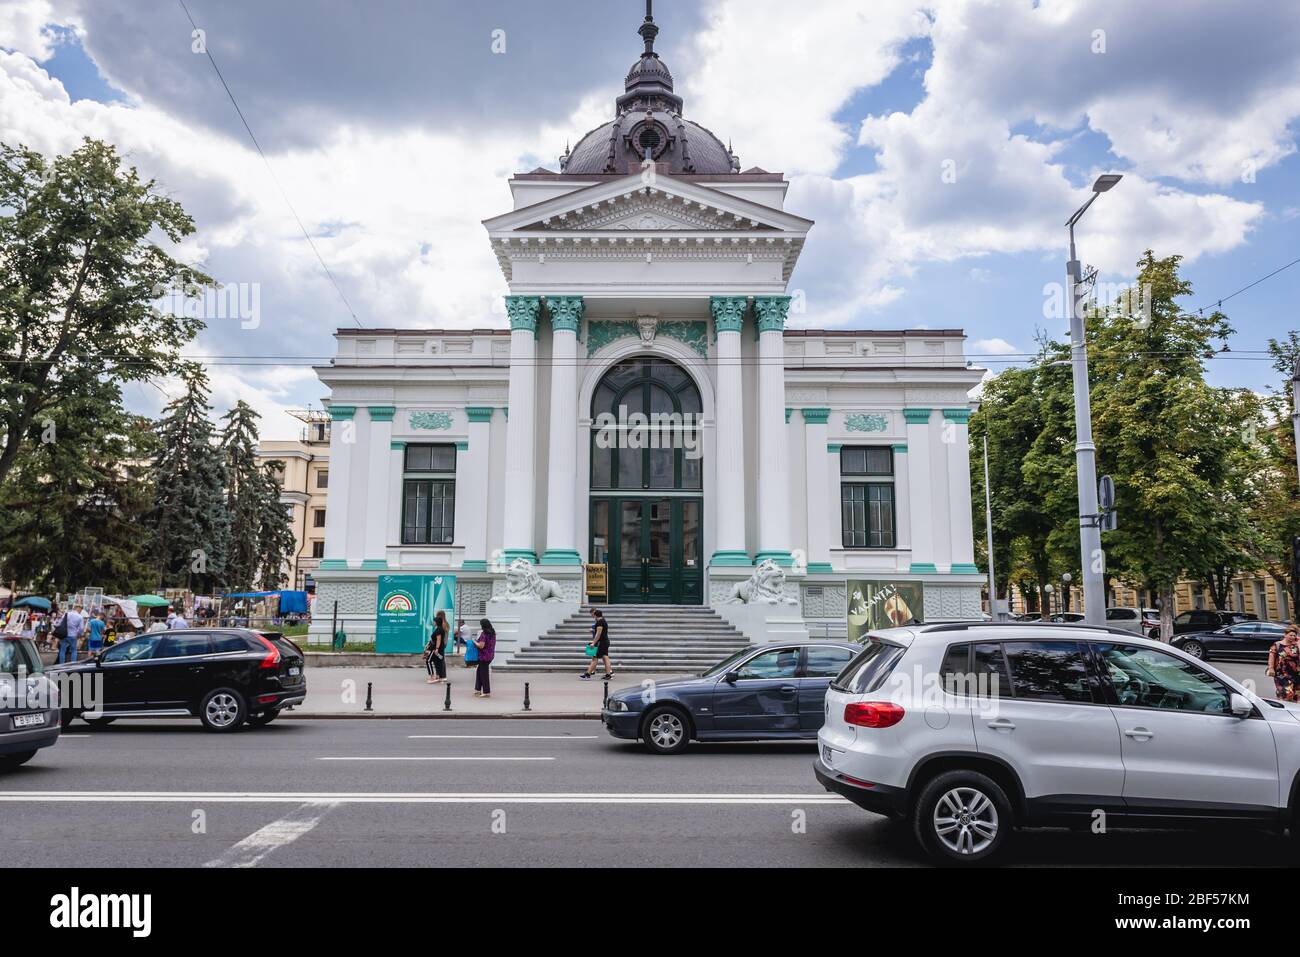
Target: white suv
column 970, row 730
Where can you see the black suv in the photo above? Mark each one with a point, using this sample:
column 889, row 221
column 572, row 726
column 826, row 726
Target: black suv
column 225, row 678
column 1203, row 619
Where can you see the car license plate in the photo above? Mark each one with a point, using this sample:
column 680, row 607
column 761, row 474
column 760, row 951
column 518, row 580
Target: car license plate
column 294, row 672
column 28, row 720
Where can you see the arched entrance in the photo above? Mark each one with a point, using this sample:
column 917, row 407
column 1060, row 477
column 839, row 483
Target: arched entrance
column 647, row 468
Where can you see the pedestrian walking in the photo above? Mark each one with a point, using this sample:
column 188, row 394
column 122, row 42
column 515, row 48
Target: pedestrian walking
column 1284, row 665
column 471, row 652
column 435, row 652
column 96, row 628
column 486, row 645
column 68, row 632
column 599, row 644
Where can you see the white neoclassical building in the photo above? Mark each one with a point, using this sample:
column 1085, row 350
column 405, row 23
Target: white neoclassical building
column 649, row 276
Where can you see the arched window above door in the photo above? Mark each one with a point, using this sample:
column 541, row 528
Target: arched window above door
column 664, row 455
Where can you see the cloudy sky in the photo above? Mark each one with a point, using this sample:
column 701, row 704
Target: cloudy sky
column 939, row 146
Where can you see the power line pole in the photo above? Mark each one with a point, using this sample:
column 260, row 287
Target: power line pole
column 988, row 524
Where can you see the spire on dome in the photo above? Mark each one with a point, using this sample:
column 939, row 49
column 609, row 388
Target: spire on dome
column 648, row 30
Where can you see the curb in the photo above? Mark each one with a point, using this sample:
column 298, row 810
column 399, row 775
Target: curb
column 440, row 715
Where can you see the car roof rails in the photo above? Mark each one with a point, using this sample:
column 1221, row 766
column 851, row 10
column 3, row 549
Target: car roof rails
column 966, row 625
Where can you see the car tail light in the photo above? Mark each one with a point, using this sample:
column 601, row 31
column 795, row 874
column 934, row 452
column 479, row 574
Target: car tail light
column 873, row 714
column 272, row 660
column 266, row 698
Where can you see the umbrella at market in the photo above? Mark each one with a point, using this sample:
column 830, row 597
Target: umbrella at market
column 150, row 601
column 33, row 601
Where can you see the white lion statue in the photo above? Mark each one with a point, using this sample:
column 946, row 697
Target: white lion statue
column 524, row 584
column 765, row 587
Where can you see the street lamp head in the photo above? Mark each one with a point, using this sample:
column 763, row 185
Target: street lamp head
column 1106, row 181
column 1067, row 578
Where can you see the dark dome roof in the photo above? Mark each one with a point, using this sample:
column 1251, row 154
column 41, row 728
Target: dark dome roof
column 649, row 117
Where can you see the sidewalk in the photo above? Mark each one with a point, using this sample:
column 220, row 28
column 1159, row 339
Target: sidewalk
column 402, row 693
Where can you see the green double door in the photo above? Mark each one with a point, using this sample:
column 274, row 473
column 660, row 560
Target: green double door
column 652, row 545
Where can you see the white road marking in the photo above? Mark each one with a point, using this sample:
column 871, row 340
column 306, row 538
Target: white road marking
column 408, row 797
column 252, row 849
column 65, row 737
column 505, row 737
column 440, row 758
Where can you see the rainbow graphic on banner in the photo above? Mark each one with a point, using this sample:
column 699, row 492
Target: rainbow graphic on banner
column 398, row 602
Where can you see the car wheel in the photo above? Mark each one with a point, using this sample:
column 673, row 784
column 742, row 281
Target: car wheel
column 223, row 710
column 8, row 761
column 98, row 723
column 963, row 817
column 263, row 719
column 1193, row 648
column 665, row 731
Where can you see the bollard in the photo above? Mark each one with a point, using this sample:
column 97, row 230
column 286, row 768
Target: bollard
column 446, row 702
column 604, row 701
column 370, row 696
column 527, row 704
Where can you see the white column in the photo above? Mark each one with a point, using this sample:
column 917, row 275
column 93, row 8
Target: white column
column 562, row 476
column 956, row 436
column 472, row 489
column 918, row 489
column 729, row 498
column 817, row 468
column 396, row 466
column 343, row 435
column 379, row 482
column 773, row 463
column 521, row 460
column 902, row 500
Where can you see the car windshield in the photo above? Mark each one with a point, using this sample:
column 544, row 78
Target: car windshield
column 19, row 654
column 723, row 666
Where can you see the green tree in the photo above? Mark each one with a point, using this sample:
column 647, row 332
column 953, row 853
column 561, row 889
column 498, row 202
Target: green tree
column 71, row 513
column 261, row 539
column 1174, row 445
column 79, row 270
column 189, row 526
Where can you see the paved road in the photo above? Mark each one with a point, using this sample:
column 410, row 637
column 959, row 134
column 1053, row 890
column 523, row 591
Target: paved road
column 421, row 793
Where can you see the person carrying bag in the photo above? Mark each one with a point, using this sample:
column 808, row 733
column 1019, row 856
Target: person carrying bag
column 1284, row 665
column 435, row 652
column 486, row 646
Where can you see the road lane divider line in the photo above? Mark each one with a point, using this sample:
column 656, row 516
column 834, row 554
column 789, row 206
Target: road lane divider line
column 504, row 737
column 413, row 797
column 257, row 846
column 427, row 757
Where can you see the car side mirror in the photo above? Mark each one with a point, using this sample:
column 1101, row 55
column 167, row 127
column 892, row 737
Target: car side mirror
column 1240, row 705
column 731, row 677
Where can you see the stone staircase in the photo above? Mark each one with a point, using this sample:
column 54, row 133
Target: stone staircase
column 667, row 639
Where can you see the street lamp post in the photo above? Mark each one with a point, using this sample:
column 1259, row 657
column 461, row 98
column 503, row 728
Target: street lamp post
column 1094, row 596
column 1066, row 578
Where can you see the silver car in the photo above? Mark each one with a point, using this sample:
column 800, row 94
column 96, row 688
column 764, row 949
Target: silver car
column 29, row 703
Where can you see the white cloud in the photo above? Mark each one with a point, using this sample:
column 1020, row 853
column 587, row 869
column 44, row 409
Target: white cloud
column 994, row 346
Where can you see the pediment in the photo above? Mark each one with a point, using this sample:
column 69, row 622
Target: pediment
column 631, row 205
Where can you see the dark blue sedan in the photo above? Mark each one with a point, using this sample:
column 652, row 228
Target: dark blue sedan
column 771, row 692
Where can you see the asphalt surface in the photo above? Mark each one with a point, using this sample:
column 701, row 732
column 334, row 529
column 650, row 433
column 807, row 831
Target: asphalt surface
column 504, row 792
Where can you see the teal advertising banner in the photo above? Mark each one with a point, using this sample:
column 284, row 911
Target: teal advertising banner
column 877, row 604
column 405, row 608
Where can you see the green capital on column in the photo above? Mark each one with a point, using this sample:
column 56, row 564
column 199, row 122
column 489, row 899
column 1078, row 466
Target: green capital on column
column 771, row 312
column 566, row 312
column 728, row 312
column 523, row 311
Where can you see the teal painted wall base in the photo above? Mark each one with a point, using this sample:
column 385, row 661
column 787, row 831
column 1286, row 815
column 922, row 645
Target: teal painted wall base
column 373, row 564
column 730, row 559
column 473, row 565
column 820, row 568
column 510, row 554
column 923, row 568
column 966, row 569
column 333, row 565
column 561, row 556
column 782, row 558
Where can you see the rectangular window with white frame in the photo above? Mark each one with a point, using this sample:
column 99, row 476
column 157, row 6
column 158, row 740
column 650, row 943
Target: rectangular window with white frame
column 429, row 495
column 867, row 497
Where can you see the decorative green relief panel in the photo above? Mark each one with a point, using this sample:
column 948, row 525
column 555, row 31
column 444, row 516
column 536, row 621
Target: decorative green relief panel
column 690, row 333
column 431, row 421
column 865, row 422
